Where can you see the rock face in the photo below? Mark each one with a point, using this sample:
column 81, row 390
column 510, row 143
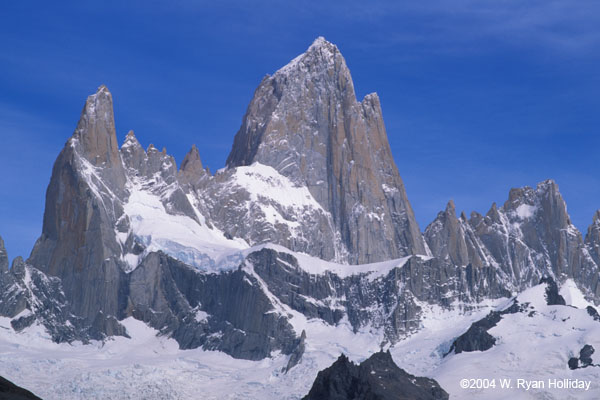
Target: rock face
column 377, row 378
column 592, row 238
column 391, row 302
column 28, row 296
column 305, row 122
column 593, row 313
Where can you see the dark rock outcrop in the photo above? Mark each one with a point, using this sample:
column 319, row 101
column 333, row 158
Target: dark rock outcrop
column 585, row 355
column 553, row 298
column 10, row 391
column 585, row 358
column 477, row 338
column 377, row 378
column 592, row 312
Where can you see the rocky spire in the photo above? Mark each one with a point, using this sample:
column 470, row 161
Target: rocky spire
column 83, row 202
column 191, row 169
column 133, row 154
column 3, row 257
column 305, row 122
column 446, row 238
column 95, row 131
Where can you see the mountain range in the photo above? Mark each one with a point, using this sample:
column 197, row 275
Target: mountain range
column 309, row 222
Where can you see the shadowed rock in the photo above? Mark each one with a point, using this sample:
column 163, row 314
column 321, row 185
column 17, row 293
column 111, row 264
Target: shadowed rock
column 377, row 378
column 10, row 391
column 477, row 338
column 553, row 298
column 593, row 313
column 585, row 358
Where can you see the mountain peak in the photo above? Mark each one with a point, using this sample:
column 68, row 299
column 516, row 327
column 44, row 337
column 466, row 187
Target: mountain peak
column 450, row 207
column 95, row 130
column 596, row 217
column 319, row 42
column 130, row 141
column 323, row 46
column 191, row 167
column 3, row 257
column 320, row 56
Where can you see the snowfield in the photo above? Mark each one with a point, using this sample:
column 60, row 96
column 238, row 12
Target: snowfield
column 152, row 367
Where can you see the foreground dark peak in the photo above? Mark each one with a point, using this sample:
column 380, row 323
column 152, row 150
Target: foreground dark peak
column 10, row 391
column 377, row 378
column 305, row 122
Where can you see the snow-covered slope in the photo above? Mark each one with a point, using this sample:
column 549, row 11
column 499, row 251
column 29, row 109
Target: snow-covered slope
column 182, row 237
column 532, row 346
column 147, row 366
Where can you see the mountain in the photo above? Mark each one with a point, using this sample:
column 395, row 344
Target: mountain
column 306, row 122
column 302, row 246
column 120, row 220
column 376, row 378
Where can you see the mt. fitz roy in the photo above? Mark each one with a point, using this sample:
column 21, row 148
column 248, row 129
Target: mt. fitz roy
column 309, row 220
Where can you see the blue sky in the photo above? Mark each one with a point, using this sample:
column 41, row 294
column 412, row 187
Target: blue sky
column 478, row 96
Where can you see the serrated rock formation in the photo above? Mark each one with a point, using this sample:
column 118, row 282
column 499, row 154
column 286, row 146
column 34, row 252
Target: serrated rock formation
column 529, row 237
column 305, row 122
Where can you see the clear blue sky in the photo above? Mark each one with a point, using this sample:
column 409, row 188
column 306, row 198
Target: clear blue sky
column 477, row 96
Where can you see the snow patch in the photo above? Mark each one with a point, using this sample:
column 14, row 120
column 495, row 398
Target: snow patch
column 525, row 211
column 179, row 236
column 572, row 295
